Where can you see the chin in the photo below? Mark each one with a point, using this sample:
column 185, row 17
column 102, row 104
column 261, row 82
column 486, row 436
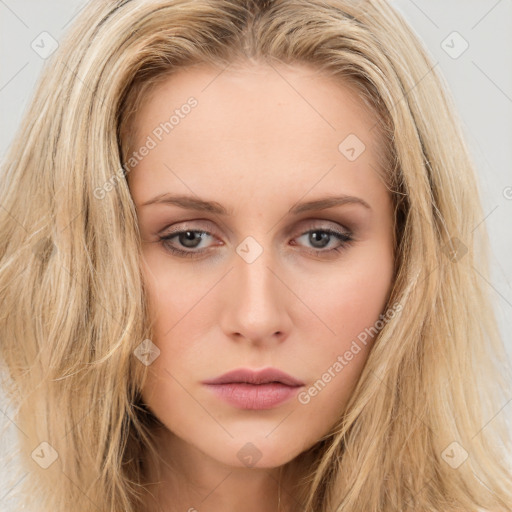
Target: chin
column 255, row 452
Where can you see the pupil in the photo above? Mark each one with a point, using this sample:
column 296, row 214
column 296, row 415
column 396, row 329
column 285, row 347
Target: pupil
column 324, row 236
column 187, row 237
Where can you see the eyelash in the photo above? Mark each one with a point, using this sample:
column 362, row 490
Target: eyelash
column 345, row 240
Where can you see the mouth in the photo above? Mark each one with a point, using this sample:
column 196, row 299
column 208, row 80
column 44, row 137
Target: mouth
column 249, row 376
column 256, row 390
column 254, row 396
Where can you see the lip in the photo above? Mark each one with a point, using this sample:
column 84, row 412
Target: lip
column 251, row 389
column 248, row 376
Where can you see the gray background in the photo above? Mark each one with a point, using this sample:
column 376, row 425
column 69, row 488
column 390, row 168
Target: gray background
column 480, row 80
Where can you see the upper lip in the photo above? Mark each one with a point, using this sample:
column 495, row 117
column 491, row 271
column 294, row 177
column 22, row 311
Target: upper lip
column 246, row 375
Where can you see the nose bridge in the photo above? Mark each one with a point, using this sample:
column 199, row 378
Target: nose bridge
column 256, row 281
column 255, row 306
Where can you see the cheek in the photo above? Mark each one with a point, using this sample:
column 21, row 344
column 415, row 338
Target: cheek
column 174, row 292
column 176, row 308
column 349, row 303
column 348, row 297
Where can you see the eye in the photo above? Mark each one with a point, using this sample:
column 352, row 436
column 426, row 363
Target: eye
column 189, row 241
column 320, row 238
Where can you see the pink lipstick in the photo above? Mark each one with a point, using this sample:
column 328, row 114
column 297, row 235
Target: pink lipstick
column 254, row 389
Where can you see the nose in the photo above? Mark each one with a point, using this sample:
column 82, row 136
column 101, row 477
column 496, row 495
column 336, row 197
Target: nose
column 255, row 302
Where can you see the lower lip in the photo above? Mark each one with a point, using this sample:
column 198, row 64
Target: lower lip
column 251, row 396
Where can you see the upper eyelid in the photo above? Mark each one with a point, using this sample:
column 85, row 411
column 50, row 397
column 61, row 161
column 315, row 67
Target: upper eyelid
column 310, row 224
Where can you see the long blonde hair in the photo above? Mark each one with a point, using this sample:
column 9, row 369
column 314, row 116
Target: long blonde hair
column 74, row 306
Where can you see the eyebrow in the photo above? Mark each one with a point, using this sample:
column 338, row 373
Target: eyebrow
column 197, row 204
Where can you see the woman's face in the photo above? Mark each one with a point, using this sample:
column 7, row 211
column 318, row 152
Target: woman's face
column 243, row 171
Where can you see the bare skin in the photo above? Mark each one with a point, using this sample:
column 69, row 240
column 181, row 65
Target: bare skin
column 259, row 141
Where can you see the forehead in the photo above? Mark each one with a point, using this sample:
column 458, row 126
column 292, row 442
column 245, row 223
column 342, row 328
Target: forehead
column 254, row 124
column 243, row 91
